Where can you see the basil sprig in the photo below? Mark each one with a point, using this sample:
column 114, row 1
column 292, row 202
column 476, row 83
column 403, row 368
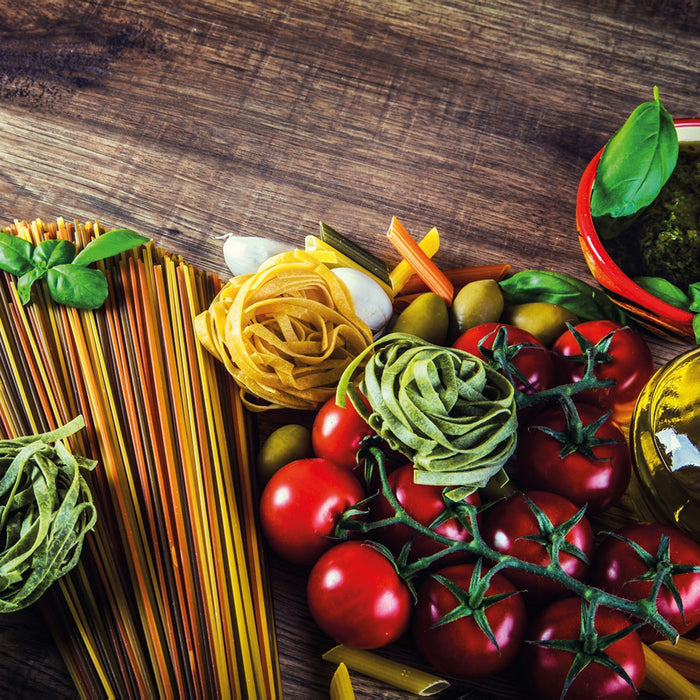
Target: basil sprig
column 587, row 302
column 635, row 163
column 675, row 296
column 69, row 281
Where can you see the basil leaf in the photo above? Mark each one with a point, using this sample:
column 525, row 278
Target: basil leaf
column 77, row 286
column 15, row 254
column 25, row 282
column 664, row 290
column 109, row 244
column 636, row 162
column 587, row 302
column 52, row 252
column 694, row 294
column 696, row 328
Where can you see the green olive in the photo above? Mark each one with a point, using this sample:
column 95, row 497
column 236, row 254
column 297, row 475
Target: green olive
column 283, row 445
column 425, row 317
column 545, row 321
column 476, row 303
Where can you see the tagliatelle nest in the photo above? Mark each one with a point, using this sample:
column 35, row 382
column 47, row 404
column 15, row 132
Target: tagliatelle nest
column 286, row 333
column 450, row 413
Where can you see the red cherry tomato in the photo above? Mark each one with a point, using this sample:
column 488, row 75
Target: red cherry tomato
column 629, row 363
column 617, row 568
column 598, row 478
column 336, row 433
column 357, row 598
column 424, row 504
column 547, row 668
column 301, row 504
column 460, row 647
column 531, row 368
column 510, row 526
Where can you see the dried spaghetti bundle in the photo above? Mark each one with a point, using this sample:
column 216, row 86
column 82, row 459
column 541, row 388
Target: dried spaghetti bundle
column 285, row 333
column 169, row 597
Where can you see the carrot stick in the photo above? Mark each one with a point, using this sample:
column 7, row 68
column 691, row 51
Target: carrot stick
column 419, row 261
column 459, row 276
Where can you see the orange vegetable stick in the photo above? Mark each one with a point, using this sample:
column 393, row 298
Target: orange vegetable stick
column 419, row 261
column 459, row 276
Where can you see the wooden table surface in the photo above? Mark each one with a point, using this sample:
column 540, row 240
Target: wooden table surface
column 188, row 120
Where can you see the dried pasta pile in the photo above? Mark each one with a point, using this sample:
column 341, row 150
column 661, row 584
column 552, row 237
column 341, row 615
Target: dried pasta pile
column 169, row 598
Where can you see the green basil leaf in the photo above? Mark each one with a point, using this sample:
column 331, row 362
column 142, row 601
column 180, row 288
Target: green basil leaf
column 15, row 254
column 109, row 244
column 77, row 286
column 696, row 328
column 53, row 252
column 664, row 290
column 694, row 294
column 587, row 302
column 636, row 162
column 25, row 282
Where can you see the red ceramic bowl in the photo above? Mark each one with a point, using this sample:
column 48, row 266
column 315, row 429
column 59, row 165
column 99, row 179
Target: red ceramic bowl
column 653, row 313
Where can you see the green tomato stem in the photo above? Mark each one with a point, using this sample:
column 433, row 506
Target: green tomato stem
column 467, row 514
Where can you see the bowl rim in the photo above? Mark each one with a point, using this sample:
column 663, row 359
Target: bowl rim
column 589, row 235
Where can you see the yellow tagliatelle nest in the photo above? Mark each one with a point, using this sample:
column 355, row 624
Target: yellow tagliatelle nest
column 286, row 333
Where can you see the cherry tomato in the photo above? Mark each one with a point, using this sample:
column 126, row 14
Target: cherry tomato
column 460, row 647
column 531, row 368
column 629, row 362
column 301, row 504
column 597, row 477
column 510, row 526
column 336, row 433
column 424, row 504
column 547, row 668
column 617, row 568
column 356, row 596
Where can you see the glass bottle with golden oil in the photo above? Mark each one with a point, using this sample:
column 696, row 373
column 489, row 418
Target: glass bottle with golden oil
column 665, row 444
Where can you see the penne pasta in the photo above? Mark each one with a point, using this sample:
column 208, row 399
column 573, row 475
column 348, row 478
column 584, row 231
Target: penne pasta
column 341, row 686
column 391, row 672
column 399, row 276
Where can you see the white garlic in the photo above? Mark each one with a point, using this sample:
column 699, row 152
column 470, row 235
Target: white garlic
column 372, row 303
column 244, row 254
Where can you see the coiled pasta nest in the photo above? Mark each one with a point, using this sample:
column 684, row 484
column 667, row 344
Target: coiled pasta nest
column 286, row 333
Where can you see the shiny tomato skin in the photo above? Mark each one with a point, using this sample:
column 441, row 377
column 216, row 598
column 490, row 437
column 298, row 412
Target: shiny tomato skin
column 547, row 668
column 617, row 565
column 536, row 364
column 510, row 522
column 357, row 598
column 597, row 481
column 631, row 365
column 460, row 648
column 424, row 503
column 301, row 504
column 336, row 433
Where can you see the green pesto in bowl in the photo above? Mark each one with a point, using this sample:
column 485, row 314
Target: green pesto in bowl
column 664, row 239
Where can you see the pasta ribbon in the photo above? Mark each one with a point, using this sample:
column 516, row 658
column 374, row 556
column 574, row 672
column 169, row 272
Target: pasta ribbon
column 285, row 333
column 450, row 413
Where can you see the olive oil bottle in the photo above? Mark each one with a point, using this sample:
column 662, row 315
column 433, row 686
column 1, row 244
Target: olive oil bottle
column 665, row 443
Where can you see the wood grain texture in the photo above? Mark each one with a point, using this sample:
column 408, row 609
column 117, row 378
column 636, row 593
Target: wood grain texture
column 189, row 120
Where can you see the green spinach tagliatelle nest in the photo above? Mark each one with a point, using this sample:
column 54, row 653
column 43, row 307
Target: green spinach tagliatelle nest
column 447, row 411
column 46, row 509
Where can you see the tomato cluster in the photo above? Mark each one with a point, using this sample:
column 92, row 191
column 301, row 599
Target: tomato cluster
column 573, row 398
column 481, row 586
